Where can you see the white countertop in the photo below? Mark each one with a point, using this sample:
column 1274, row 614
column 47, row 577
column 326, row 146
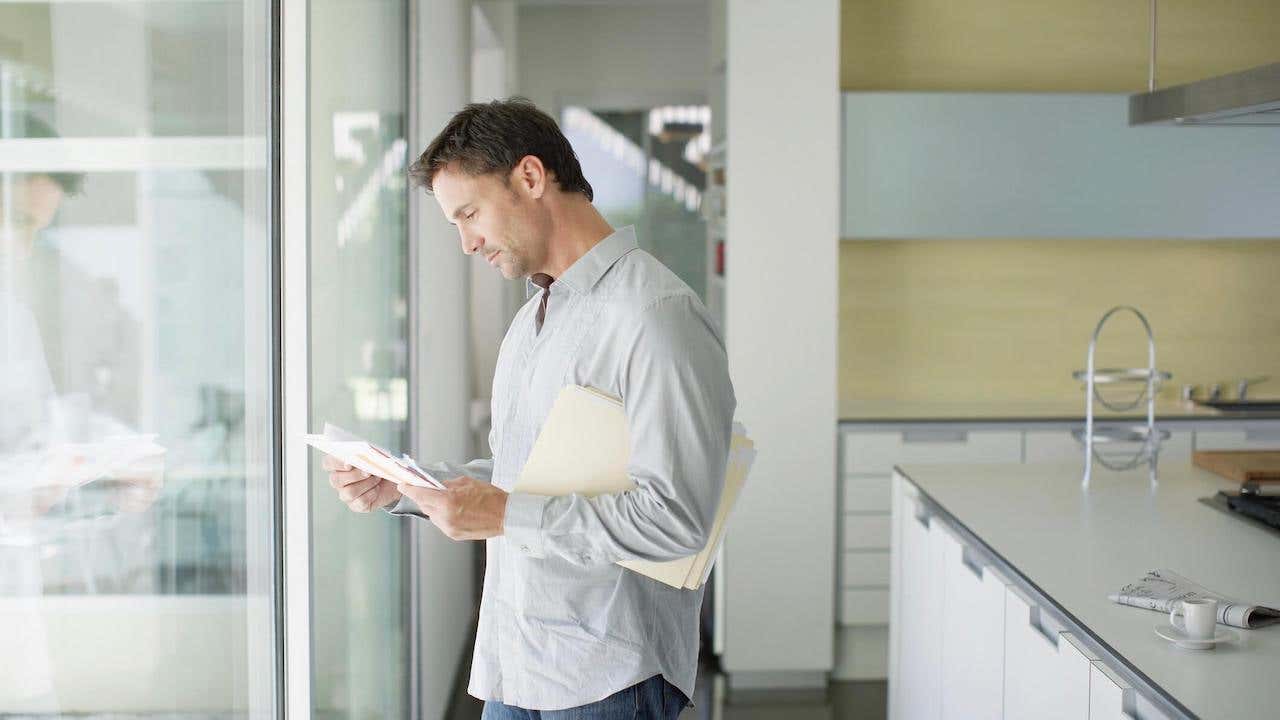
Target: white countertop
column 1078, row 546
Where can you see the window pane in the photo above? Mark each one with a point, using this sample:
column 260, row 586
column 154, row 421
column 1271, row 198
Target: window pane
column 136, row 537
column 359, row 335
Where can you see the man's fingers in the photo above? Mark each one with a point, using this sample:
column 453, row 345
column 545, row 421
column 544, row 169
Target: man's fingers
column 333, row 464
column 340, row 478
column 348, row 493
column 366, row 501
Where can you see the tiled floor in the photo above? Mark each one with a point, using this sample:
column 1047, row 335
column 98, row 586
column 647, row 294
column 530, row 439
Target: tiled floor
column 842, row 701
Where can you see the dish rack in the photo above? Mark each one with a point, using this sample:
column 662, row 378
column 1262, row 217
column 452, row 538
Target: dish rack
column 1121, row 448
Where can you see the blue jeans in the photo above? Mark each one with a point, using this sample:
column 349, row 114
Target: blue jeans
column 652, row 699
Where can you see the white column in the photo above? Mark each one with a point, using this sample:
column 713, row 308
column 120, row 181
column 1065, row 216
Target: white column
column 441, row 362
column 780, row 320
column 494, row 300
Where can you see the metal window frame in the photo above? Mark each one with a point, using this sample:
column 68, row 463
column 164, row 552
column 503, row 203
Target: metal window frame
column 276, row 366
column 290, row 170
column 410, row 531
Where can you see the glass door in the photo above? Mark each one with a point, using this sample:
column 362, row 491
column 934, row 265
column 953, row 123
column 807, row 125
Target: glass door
column 359, row 344
column 137, row 501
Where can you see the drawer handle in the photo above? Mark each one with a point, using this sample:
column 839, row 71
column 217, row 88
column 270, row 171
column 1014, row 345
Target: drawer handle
column 919, row 511
column 1262, row 436
column 922, row 516
column 971, row 560
column 934, row 436
column 1037, row 621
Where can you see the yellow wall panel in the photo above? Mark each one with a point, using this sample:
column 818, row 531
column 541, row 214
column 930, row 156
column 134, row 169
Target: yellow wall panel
column 1009, row 320
column 1048, row 45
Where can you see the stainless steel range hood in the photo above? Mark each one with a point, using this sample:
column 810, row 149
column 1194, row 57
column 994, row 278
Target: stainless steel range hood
column 1249, row 97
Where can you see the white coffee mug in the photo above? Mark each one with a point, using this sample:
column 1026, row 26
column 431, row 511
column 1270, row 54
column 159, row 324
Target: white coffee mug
column 1199, row 615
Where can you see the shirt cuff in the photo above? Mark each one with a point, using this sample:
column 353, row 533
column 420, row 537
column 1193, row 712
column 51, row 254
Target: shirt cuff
column 522, row 524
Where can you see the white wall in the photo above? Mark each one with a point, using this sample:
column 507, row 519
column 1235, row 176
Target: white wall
column 446, row 601
column 780, row 320
column 613, row 55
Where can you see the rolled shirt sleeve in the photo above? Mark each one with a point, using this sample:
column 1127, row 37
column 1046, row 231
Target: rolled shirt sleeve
column 679, row 404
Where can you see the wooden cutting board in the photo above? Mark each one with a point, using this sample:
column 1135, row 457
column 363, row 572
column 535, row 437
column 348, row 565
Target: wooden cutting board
column 1240, row 465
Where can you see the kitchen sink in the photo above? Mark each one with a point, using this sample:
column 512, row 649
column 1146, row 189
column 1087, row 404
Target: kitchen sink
column 1244, row 406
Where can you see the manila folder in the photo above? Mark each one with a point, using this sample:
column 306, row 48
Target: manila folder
column 584, row 448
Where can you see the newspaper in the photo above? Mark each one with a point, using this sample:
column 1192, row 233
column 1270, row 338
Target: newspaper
column 1162, row 589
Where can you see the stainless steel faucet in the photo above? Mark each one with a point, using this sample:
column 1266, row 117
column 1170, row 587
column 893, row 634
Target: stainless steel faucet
column 1242, row 389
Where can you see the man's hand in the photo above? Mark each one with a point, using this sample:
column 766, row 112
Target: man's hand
column 361, row 491
column 467, row 509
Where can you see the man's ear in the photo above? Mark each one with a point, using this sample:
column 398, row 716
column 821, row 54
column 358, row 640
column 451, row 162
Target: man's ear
column 530, row 176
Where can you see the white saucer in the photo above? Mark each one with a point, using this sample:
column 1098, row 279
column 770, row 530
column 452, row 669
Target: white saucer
column 1179, row 638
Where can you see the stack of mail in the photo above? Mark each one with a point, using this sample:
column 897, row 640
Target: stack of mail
column 366, row 456
column 584, row 448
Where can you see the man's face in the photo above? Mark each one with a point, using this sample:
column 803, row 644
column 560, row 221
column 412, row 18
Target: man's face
column 500, row 221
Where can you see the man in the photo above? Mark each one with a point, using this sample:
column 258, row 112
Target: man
column 561, row 625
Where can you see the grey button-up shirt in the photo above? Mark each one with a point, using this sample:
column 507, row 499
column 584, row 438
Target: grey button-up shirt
column 560, row 624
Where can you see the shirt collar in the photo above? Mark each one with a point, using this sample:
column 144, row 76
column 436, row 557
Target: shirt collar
column 587, row 270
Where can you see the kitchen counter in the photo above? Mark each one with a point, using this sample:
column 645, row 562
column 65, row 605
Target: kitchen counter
column 1075, row 546
column 893, row 411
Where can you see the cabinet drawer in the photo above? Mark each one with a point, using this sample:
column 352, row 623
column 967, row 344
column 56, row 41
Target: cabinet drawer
column 865, row 532
column 865, row 568
column 864, row 606
column 1051, row 446
column 867, row 493
column 1046, row 670
column 1261, row 438
column 877, row 452
column 972, row 636
column 862, row 653
column 1110, row 698
column 915, row 653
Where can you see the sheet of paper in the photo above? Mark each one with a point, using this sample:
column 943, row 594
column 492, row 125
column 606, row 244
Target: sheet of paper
column 370, row 458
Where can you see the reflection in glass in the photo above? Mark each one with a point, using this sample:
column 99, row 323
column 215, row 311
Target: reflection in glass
column 648, row 168
column 359, row 341
column 135, row 483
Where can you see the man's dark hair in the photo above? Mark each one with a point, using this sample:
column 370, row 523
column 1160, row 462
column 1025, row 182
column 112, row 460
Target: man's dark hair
column 30, row 126
column 492, row 137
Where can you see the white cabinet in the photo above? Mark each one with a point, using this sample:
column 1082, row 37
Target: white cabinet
column 914, row 687
column 1110, row 697
column 865, row 532
column 867, row 567
column 864, row 606
column 972, row 632
column 1046, row 670
column 865, row 494
column 875, row 453
column 1056, row 446
column 1262, row 437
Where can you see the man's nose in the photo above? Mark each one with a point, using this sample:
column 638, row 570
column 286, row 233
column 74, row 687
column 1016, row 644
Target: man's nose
column 471, row 242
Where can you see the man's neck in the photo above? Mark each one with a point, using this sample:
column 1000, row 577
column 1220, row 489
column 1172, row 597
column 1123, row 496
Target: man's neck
column 576, row 229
